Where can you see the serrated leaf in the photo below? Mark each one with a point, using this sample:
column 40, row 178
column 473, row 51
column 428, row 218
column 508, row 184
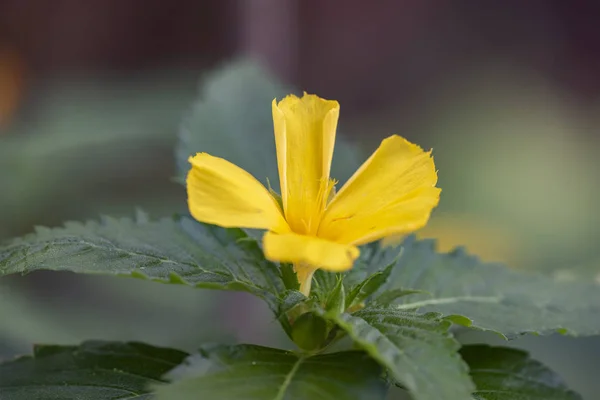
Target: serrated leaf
column 373, row 258
column 259, row 373
column 169, row 250
column 324, row 282
column 233, row 120
column 94, row 370
column 416, row 348
column 490, row 296
column 290, row 279
column 369, row 286
column 502, row 373
column 288, row 301
column 336, row 301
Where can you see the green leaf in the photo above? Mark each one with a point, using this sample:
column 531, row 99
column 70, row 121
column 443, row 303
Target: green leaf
column 94, row 370
column 169, row 250
column 233, row 120
column 290, row 279
column 416, row 348
column 373, row 258
column 324, row 282
column 502, row 373
column 336, row 301
column 369, row 286
column 288, row 301
column 259, row 373
column 490, row 296
column 389, row 296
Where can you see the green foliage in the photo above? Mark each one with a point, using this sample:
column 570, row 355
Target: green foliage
column 413, row 346
column 336, row 301
column 324, row 283
column 502, row 373
column 489, row 296
column 396, row 305
column 94, row 370
column 260, row 373
column 171, row 250
column 369, row 286
column 417, row 350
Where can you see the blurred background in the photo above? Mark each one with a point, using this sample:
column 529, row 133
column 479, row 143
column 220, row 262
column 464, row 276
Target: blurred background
column 92, row 94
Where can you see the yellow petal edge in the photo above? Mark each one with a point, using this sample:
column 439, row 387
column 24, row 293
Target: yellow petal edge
column 311, row 250
column 392, row 193
column 223, row 194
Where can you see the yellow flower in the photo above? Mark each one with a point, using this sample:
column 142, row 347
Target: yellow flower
column 392, row 193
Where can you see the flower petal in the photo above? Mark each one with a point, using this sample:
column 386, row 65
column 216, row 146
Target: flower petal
column 223, row 194
column 311, row 250
column 304, row 136
column 393, row 192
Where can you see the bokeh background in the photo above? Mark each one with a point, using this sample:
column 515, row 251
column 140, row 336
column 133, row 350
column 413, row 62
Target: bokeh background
column 92, row 93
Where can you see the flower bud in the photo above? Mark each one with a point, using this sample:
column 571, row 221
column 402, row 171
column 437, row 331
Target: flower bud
column 309, row 332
